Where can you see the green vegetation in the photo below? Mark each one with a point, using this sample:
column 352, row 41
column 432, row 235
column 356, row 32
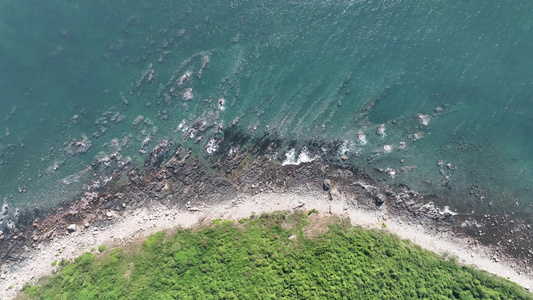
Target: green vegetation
column 312, row 211
column 256, row 259
column 63, row 262
column 54, row 263
column 101, row 248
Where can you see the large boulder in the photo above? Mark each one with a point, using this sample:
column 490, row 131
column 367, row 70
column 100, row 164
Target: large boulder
column 71, row 228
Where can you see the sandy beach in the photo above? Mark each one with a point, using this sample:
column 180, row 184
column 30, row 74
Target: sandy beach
column 141, row 222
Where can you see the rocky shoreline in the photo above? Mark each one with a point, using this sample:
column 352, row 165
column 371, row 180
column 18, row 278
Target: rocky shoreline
column 183, row 184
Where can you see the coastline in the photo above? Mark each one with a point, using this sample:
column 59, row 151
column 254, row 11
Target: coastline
column 183, row 192
column 139, row 223
column 367, row 137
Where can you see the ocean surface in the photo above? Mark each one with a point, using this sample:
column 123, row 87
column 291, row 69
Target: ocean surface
column 437, row 95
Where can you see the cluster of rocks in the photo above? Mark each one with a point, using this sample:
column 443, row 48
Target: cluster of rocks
column 186, row 183
column 511, row 236
column 74, row 147
column 107, row 118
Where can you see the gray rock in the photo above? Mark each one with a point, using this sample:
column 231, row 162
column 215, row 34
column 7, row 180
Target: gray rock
column 71, row 228
column 379, row 199
column 326, row 184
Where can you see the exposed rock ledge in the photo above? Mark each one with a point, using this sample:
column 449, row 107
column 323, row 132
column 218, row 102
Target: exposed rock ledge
column 184, row 193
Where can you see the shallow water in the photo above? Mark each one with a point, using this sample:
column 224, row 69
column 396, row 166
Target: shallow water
column 304, row 71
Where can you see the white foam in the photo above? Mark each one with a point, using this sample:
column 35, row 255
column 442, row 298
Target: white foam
column 233, row 151
column 445, row 211
column 303, row 157
column 221, row 102
column 381, row 129
column 361, row 137
column 346, row 147
column 290, row 158
column 187, row 94
column 391, row 172
column 181, row 126
column 349, row 147
column 211, row 146
column 423, row 119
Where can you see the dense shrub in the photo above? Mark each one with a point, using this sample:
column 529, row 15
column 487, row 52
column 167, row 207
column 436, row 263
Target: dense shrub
column 256, row 259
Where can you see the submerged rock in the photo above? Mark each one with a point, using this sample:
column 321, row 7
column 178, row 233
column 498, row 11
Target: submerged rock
column 187, row 94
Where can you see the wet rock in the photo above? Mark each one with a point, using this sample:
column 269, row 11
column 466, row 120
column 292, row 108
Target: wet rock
column 187, row 94
column 423, row 119
column 75, row 119
column 158, row 153
column 381, row 129
column 75, row 147
column 418, row 136
column 188, row 180
column 135, row 178
column 157, row 186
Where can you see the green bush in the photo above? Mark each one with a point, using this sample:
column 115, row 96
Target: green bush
column 101, row 248
column 63, row 262
column 155, row 240
column 256, row 259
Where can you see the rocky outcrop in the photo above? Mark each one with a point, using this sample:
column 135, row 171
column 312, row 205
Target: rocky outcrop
column 186, row 183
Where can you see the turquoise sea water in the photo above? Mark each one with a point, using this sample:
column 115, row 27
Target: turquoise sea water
column 80, row 72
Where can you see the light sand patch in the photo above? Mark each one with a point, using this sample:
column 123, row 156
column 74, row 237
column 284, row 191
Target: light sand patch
column 319, row 224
